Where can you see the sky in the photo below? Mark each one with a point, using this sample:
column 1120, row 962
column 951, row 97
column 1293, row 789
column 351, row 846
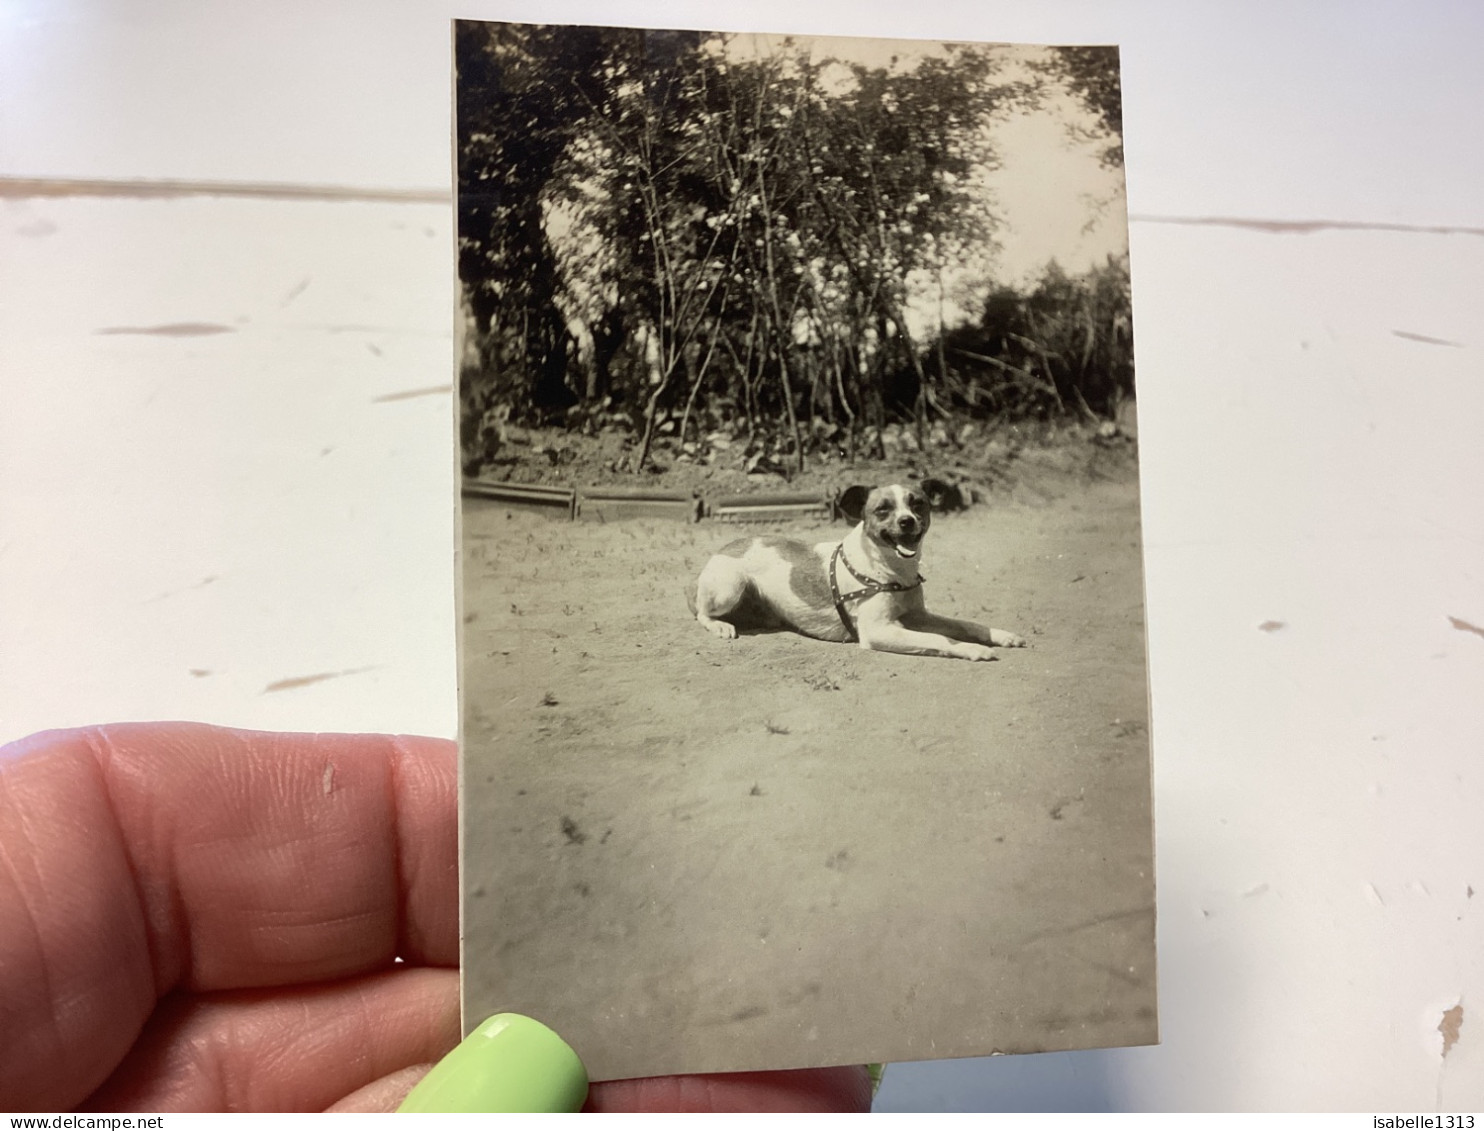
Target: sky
column 1056, row 199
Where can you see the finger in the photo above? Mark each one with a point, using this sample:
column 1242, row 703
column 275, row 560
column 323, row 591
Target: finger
column 805, row 1090
column 302, row 1050
column 134, row 859
column 384, row 1095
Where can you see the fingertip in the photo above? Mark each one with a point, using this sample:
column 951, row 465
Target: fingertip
column 510, row 1063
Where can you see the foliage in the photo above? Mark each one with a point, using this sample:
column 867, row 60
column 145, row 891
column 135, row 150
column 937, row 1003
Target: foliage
column 1092, row 74
column 662, row 232
column 1065, row 346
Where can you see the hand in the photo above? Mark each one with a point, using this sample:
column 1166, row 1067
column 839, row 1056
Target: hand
column 194, row 918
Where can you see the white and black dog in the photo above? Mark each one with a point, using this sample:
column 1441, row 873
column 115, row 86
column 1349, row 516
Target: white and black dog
column 866, row 588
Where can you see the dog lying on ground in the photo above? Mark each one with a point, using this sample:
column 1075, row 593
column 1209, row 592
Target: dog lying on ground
column 866, row 588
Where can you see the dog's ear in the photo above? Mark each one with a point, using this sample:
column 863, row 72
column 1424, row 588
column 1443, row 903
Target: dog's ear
column 852, row 502
column 941, row 495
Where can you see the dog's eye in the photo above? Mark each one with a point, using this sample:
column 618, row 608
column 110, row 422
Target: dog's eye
column 884, row 510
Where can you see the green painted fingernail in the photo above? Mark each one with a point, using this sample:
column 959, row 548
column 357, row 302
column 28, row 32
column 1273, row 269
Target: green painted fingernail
column 510, row 1063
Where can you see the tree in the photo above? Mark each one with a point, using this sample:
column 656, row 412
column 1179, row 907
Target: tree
column 1092, row 74
column 1063, row 346
column 523, row 93
column 676, row 229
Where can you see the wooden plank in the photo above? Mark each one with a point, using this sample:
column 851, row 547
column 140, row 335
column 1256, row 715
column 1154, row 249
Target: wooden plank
column 612, row 504
column 774, row 507
column 773, row 498
column 656, row 494
column 525, row 496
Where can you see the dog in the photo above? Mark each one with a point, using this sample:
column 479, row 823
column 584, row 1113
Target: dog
column 865, row 589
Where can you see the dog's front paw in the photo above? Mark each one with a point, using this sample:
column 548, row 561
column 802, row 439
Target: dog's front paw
column 1003, row 639
column 721, row 629
column 977, row 652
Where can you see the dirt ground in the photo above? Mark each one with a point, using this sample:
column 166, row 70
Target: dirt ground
column 688, row 854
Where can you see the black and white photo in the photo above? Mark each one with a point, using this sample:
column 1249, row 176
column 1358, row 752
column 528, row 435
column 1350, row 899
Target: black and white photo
column 793, row 373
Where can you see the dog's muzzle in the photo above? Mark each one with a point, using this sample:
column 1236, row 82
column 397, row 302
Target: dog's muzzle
column 906, row 541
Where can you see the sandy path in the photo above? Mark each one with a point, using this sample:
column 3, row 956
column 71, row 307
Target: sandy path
column 696, row 854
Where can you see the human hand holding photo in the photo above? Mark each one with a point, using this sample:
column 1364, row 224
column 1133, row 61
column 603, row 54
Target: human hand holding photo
column 200, row 919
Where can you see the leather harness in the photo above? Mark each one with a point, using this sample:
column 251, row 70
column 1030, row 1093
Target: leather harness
column 869, row 587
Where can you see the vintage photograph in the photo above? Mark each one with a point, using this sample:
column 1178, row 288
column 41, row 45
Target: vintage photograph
column 804, row 695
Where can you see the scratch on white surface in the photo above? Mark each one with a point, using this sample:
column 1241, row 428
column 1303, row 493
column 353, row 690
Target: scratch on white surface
column 1465, row 626
column 366, row 328
column 305, row 680
column 1307, row 227
column 172, row 330
column 24, row 188
column 36, row 229
column 1260, row 889
column 1426, row 339
column 408, row 394
column 1272, row 626
column 1420, row 888
column 200, row 673
column 202, row 584
column 1374, row 896
column 299, row 289
column 1450, row 1026
column 1444, row 1024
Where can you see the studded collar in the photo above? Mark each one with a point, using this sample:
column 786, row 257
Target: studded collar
column 869, row 587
